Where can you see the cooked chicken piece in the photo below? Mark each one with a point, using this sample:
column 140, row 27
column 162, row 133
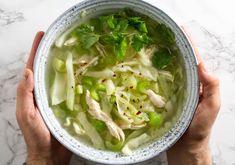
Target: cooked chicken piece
column 95, row 111
column 145, row 58
column 84, row 65
column 156, row 99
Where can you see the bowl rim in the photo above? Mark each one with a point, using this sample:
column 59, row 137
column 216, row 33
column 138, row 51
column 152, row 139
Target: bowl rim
column 37, row 85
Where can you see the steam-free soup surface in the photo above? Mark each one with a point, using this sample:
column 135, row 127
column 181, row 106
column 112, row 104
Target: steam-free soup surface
column 117, row 80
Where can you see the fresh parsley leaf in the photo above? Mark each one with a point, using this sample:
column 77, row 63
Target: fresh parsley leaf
column 139, row 41
column 118, row 41
column 105, row 23
column 120, row 49
column 135, row 20
column 86, row 36
column 88, row 39
column 110, row 21
column 122, row 25
column 111, row 38
column 165, row 34
column 161, row 58
column 142, row 27
column 85, row 28
column 96, row 22
column 137, row 23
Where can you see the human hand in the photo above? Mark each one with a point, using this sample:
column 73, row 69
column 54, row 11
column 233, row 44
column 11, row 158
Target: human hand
column 193, row 146
column 42, row 147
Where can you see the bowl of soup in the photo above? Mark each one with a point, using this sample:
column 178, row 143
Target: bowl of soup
column 116, row 81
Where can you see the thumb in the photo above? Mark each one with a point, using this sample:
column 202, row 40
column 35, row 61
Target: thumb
column 25, row 99
column 211, row 94
column 26, row 84
column 209, row 81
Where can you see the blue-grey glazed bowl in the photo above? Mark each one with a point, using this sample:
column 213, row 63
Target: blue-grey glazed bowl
column 93, row 7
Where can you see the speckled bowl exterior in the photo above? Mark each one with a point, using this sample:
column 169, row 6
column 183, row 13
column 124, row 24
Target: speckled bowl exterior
column 150, row 150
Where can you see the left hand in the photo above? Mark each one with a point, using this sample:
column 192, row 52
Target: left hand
column 42, row 147
column 193, row 146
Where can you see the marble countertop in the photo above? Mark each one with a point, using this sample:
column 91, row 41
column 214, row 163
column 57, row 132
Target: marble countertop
column 210, row 22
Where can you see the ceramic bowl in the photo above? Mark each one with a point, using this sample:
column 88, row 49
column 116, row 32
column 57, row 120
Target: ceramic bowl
column 93, row 7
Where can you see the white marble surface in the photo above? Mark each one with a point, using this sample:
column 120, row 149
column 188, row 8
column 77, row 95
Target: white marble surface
column 211, row 23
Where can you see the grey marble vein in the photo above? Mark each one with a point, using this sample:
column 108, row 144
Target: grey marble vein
column 9, row 17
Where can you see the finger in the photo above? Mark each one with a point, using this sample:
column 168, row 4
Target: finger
column 189, row 36
column 25, row 100
column 36, row 42
column 209, row 81
column 210, row 99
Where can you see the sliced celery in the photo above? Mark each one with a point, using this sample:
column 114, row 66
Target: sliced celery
column 100, row 87
column 155, row 119
column 142, row 86
column 89, row 81
column 98, row 124
column 79, row 89
column 83, row 101
column 112, row 99
column 94, row 94
column 114, row 147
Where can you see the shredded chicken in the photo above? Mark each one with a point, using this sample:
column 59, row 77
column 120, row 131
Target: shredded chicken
column 95, row 111
column 144, row 58
column 85, row 65
column 156, row 99
column 100, row 49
